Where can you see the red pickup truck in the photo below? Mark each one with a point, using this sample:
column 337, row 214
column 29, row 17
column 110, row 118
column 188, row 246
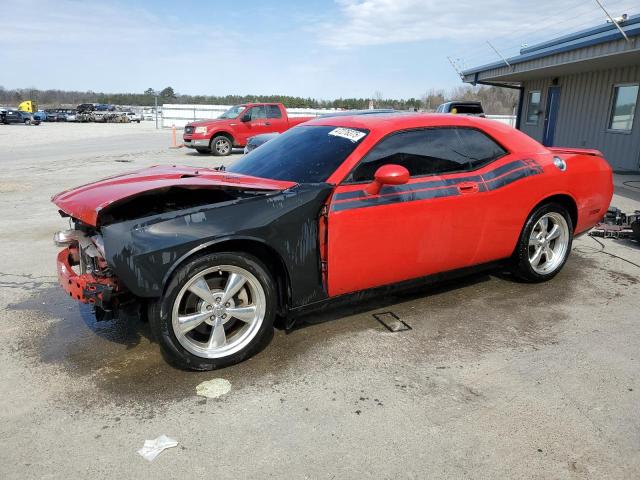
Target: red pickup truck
column 236, row 125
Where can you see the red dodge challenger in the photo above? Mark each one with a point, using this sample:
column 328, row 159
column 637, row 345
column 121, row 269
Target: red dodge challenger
column 331, row 207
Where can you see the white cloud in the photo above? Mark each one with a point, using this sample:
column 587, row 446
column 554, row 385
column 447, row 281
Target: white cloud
column 381, row 22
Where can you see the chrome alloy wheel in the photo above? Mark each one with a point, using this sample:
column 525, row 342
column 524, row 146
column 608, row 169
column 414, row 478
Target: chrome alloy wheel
column 219, row 311
column 548, row 243
column 222, row 146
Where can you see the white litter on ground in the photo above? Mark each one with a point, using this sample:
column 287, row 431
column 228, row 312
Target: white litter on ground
column 152, row 448
column 214, row 388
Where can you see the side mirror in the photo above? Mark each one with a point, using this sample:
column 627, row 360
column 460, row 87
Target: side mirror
column 246, row 117
column 387, row 175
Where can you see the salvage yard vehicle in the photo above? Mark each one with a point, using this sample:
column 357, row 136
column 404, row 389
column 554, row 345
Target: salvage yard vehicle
column 17, row 116
column 334, row 207
column 236, row 125
column 134, row 117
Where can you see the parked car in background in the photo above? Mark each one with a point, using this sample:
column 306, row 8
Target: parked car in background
column 134, row 117
column 72, row 116
column 40, row 115
column 462, row 108
column 12, row 115
column 257, row 140
column 236, row 125
column 52, row 115
column 85, row 108
column 335, row 206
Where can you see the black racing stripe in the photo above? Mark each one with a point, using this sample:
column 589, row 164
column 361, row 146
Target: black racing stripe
column 511, row 177
column 410, row 187
column 493, row 180
column 503, row 169
column 348, row 195
column 406, row 197
column 438, row 183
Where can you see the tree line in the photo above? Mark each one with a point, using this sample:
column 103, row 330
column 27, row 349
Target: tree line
column 495, row 100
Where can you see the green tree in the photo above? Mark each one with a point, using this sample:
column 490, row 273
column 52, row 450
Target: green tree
column 168, row 93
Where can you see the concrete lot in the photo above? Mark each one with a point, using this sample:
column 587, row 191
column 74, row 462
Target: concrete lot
column 497, row 379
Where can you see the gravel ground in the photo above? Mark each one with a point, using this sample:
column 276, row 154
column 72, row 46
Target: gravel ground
column 496, row 379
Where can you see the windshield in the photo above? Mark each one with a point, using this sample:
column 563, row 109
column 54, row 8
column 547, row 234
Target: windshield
column 233, row 112
column 304, row 154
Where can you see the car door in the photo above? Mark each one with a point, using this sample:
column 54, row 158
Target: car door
column 255, row 125
column 276, row 121
column 426, row 226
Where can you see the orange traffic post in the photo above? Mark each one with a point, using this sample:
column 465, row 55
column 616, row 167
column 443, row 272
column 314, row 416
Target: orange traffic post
column 174, row 143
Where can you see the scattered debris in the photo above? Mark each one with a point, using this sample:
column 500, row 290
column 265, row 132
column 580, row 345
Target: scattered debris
column 392, row 322
column 214, row 388
column 152, row 448
column 617, row 224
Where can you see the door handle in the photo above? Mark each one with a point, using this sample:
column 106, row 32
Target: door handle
column 267, row 123
column 468, row 187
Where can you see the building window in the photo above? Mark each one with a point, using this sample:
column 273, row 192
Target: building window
column 533, row 107
column 623, row 107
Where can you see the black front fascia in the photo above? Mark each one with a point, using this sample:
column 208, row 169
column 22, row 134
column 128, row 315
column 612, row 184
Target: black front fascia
column 144, row 252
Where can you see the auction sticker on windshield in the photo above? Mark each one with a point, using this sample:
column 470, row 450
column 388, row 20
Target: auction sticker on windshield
column 348, row 133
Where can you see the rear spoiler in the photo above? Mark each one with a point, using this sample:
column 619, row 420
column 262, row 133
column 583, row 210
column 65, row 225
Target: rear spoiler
column 575, row 151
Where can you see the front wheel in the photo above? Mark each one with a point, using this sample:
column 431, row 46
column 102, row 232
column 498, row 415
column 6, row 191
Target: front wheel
column 545, row 243
column 218, row 310
column 221, row 146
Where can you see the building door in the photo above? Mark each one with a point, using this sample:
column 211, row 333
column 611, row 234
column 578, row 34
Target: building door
column 551, row 116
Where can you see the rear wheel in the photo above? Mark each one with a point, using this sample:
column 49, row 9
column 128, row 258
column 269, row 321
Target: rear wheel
column 545, row 243
column 221, row 146
column 218, row 310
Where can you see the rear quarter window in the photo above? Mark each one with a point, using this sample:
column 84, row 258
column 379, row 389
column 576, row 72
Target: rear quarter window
column 479, row 147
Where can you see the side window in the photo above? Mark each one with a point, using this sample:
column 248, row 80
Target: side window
column 533, row 107
column 273, row 111
column 623, row 107
column 479, row 148
column 258, row 113
column 422, row 152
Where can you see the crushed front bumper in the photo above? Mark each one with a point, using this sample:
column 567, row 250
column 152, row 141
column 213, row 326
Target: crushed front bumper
column 102, row 292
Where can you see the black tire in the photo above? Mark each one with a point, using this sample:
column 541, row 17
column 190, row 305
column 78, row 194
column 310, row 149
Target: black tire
column 217, row 144
column 27, row 122
column 203, row 151
column 522, row 267
column 160, row 312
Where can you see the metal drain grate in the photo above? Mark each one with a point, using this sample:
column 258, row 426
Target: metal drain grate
column 392, row 322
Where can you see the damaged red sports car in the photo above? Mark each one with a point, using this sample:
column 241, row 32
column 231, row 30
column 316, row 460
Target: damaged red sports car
column 331, row 207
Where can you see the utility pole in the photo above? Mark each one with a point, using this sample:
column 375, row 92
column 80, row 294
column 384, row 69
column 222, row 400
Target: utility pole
column 155, row 95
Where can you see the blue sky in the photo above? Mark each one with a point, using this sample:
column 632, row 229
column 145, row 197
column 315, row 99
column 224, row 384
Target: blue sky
column 311, row 48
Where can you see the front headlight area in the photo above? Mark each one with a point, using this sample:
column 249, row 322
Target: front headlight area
column 200, row 130
column 87, row 249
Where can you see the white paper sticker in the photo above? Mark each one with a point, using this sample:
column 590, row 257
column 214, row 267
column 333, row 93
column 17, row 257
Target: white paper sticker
column 348, row 133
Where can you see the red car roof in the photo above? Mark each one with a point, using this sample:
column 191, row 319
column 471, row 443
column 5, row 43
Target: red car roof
column 384, row 123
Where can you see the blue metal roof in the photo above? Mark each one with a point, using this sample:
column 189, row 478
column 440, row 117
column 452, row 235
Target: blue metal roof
column 566, row 43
